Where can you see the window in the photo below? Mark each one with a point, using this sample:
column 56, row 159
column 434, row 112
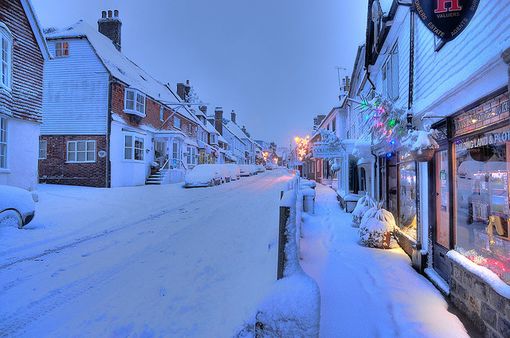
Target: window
column 177, row 122
column 407, row 220
column 43, row 149
column 192, row 156
column 134, row 102
column 133, row 148
column 161, row 114
column 6, row 57
column 62, row 49
column 390, row 74
column 3, row 143
column 482, row 208
column 81, row 151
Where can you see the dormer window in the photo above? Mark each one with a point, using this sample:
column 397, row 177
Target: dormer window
column 6, row 57
column 62, row 49
column 134, row 102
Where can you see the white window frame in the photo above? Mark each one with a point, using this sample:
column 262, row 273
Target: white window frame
column 177, row 125
column 161, row 113
column 6, row 42
column 138, row 102
column 390, row 75
column 132, row 147
column 61, row 49
column 88, row 143
column 43, row 149
column 3, row 143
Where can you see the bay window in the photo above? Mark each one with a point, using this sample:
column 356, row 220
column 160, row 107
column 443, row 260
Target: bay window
column 133, row 148
column 83, row 151
column 134, row 102
column 3, row 143
column 6, row 56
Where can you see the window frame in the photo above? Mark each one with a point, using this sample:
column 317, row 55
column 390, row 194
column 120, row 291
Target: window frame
column 76, row 151
column 61, row 49
column 176, row 118
column 4, row 143
column 7, row 38
column 135, row 102
column 133, row 149
column 162, row 114
column 45, row 156
column 390, row 74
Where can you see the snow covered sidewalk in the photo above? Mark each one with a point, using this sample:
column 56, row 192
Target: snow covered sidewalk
column 368, row 292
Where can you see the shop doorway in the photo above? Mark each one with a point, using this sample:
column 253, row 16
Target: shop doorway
column 442, row 234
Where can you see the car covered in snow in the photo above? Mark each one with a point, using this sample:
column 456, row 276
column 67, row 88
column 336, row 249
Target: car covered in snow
column 260, row 168
column 248, row 170
column 17, row 206
column 270, row 166
column 203, row 175
column 234, row 171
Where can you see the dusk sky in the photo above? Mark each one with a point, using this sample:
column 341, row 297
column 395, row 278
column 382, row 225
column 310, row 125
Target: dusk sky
column 273, row 61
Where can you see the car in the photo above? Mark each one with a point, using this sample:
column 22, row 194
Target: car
column 248, row 170
column 225, row 172
column 235, row 172
column 260, row 168
column 17, row 206
column 203, row 175
column 270, row 166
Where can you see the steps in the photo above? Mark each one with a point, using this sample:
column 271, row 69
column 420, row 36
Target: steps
column 157, row 178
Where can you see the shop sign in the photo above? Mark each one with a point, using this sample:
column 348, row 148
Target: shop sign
column 491, row 112
column 322, row 150
column 484, row 140
column 446, row 18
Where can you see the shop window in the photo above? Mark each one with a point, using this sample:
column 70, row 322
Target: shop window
column 482, row 200
column 407, row 220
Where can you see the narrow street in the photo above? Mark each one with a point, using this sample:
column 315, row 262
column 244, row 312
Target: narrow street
column 141, row 261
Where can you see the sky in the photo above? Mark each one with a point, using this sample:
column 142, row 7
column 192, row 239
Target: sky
column 272, row 61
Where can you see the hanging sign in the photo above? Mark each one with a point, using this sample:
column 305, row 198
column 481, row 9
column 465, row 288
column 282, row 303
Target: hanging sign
column 325, row 151
column 446, row 18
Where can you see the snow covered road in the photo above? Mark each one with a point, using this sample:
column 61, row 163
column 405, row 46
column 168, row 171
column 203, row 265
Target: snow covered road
column 368, row 292
column 142, row 261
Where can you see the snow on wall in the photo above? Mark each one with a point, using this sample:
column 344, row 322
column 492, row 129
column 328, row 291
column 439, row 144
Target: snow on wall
column 75, row 92
column 22, row 154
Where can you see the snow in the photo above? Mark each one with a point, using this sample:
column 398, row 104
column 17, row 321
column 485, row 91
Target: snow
column 485, row 274
column 202, row 174
column 368, row 292
column 16, row 198
column 144, row 261
column 420, row 139
column 437, row 280
column 119, row 65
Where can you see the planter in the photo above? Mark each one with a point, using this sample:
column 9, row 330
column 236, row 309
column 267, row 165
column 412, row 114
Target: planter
column 423, row 155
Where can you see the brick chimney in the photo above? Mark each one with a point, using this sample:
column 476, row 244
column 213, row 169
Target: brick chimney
column 183, row 90
column 110, row 26
column 233, row 116
column 218, row 119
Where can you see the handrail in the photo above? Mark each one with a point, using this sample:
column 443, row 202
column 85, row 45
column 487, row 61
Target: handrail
column 164, row 166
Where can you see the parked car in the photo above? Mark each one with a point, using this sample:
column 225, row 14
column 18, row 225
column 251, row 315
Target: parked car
column 17, row 206
column 270, row 166
column 225, row 173
column 248, row 170
column 260, row 168
column 203, row 175
column 235, row 172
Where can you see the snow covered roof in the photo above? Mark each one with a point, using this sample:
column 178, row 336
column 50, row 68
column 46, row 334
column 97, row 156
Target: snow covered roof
column 210, row 129
column 222, row 139
column 36, row 28
column 119, row 66
column 234, row 129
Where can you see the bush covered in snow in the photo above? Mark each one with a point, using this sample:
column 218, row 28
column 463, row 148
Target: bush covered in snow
column 376, row 228
column 364, row 204
column 418, row 140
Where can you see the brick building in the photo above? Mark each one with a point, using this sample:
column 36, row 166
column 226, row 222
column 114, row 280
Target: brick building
column 107, row 122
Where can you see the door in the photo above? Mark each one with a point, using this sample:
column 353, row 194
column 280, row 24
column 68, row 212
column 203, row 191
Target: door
column 442, row 230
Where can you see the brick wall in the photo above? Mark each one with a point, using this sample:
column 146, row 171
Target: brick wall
column 55, row 170
column 486, row 309
column 151, row 111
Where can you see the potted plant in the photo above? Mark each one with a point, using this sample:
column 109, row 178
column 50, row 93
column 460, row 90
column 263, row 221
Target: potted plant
column 421, row 144
column 377, row 227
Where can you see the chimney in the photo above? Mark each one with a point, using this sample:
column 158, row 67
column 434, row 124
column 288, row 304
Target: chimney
column 245, row 131
column 183, row 90
column 218, row 119
column 110, row 26
column 203, row 109
column 233, row 116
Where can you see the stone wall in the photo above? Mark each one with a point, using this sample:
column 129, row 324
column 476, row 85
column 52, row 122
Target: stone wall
column 486, row 309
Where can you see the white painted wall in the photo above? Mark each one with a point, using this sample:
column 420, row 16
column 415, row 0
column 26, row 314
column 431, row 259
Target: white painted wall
column 126, row 173
column 75, row 100
column 22, row 154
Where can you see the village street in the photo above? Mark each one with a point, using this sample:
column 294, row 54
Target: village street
column 141, row 261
